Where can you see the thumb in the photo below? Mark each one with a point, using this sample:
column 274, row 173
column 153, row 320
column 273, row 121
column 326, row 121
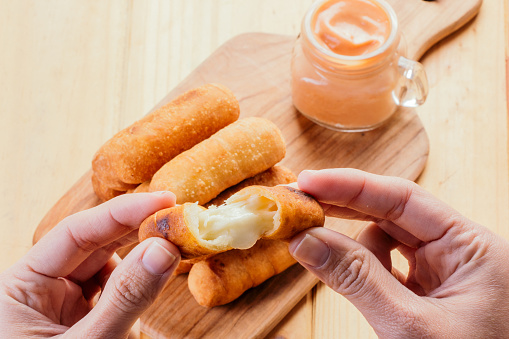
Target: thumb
column 132, row 288
column 353, row 271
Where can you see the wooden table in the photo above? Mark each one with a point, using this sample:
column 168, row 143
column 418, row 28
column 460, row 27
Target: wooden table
column 72, row 73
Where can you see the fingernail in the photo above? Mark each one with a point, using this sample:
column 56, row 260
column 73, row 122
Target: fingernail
column 157, row 259
column 311, row 251
column 307, row 172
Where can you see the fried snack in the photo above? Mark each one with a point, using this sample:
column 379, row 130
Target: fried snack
column 183, row 267
column 222, row 278
column 277, row 175
column 102, row 191
column 239, row 151
column 252, row 213
column 134, row 154
column 141, row 188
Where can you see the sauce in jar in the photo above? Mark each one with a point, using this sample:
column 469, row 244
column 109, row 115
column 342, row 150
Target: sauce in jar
column 346, row 65
column 351, row 27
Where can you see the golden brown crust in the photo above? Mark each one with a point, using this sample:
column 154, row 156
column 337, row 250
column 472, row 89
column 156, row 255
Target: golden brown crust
column 103, row 192
column 134, row 154
column 224, row 277
column 297, row 210
column 172, row 224
column 276, row 175
column 142, row 188
column 239, row 151
column 186, row 264
column 183, row 267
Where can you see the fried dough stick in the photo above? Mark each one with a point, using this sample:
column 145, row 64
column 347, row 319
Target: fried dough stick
column 253, row 213
column 239, row 151
column 277, row 175
column 222, row 278
column 134, row 154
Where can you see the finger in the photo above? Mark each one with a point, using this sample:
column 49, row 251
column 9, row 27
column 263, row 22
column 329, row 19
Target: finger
column 399, row 201
column 351, row 270
column 410, row 280
column 345, row 213
column 96, row 283
column 375, row 240
column 100, row 257
column 131, row 289
column 399, row 276
column 67, row 245
column 104, row 274
column 378, row 242
column 388, row 227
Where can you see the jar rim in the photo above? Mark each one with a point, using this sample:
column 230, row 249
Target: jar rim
column 391, row 14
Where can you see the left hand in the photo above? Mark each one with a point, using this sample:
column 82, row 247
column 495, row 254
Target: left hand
column 51, row 290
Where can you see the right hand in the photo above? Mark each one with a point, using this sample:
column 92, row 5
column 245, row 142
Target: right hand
column 458, row 282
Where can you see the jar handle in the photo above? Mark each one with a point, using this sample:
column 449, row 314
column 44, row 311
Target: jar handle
column 412, row 87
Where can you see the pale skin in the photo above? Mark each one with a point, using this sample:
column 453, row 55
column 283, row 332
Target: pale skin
column 457, row 286
column 458, row 283
column 52, row 290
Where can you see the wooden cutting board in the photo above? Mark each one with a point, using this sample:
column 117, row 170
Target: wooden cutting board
column 256, row 67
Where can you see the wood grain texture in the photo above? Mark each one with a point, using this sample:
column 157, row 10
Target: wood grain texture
column 73, row 73
column 506, row 26
column 270, row 77
column 399, row 148
column 440, row 20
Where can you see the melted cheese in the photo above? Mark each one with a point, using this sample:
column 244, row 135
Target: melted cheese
column 238, row 223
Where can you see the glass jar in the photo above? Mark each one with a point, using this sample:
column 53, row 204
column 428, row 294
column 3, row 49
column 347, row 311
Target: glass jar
column 353, row 92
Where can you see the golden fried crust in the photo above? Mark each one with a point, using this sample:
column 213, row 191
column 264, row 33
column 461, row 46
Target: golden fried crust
column 134, row 154
column 239, row 151
column 143, row 187
column 172, row 224
column 224, row 277
column 183, row 267
column 103, row 192
column 276, row 175
column 297, row 212
column 297, row 209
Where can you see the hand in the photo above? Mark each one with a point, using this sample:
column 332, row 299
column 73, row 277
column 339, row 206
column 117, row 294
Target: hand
column 51, row 290
column 458, row 281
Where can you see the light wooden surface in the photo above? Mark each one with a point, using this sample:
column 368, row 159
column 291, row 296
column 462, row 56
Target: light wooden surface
column 399, row 148
column 74, row 72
